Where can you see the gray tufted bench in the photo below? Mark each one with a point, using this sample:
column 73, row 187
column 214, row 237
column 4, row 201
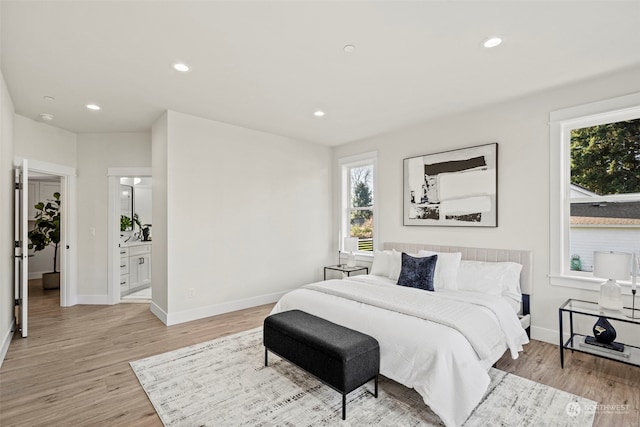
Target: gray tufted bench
column 340, row 357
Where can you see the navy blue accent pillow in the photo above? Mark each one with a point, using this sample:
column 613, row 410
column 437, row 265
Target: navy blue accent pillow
column 418, row 272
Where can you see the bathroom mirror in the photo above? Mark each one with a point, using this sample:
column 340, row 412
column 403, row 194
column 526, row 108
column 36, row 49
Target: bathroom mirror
column 126, row 207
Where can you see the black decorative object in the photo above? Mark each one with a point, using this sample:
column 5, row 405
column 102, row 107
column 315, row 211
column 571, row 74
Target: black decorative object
column 603, row 331
column 145, row 232
column 616, row 346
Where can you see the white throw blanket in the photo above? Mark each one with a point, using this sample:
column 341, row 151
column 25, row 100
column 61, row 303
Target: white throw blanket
column 470, row 318
column 436, row 360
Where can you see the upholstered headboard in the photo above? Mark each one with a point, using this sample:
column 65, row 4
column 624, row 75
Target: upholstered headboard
column 479, row 254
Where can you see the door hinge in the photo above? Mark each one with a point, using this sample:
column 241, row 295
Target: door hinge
column 18, row 186
column 16, row 244
column 17, row 302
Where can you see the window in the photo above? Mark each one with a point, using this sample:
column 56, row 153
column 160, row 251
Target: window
column 595, row 186
column 357, row 201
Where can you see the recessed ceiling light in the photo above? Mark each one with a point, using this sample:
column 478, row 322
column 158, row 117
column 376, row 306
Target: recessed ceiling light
column 183, row 68
column 349, row 48
column 319, row 113
column 49, row 98
column 94, row 107
column 492, row 42
column 46, row 117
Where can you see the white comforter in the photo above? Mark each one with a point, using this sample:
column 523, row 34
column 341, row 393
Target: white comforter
column 421, row 335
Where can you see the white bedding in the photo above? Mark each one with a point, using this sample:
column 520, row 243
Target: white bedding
column 436, row 360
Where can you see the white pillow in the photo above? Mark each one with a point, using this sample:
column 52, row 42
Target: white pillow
column 381, row 263
column 446, row 274
column 493, row 278
column 395, row 265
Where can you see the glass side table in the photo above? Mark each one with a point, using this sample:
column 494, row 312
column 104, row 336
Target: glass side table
column 344, row 269
column 576, row 342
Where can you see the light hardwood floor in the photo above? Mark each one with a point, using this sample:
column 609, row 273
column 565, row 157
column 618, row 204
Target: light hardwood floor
column 73, row 368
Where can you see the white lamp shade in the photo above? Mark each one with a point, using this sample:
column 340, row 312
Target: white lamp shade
column 611, row 265
column 350, row 244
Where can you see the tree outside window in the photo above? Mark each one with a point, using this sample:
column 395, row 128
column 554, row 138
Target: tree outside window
column 605, row 159
column 605, row 190
column 361, row 210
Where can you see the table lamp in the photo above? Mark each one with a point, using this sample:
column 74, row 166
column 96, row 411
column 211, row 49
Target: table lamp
column 351, row 245
column 611, row 266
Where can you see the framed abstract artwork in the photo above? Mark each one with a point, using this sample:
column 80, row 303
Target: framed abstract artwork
column 452, row 188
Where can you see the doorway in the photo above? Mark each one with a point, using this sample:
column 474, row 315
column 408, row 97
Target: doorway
column 63, row 179
column 130, row 235
column 44, row 259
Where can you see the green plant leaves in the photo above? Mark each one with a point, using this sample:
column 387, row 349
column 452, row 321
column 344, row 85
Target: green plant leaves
column 46, row 229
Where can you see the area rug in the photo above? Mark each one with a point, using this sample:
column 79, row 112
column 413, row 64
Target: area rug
column 224, row 383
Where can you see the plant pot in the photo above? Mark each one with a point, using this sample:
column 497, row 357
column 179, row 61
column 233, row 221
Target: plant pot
column 50, row 280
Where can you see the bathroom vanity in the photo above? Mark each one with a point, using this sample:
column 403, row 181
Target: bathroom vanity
column 135, row 266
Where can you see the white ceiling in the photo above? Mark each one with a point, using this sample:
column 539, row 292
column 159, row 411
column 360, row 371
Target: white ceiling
column 268, row 65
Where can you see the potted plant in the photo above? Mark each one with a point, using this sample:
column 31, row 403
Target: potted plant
column 46, row 232
column 125, row 223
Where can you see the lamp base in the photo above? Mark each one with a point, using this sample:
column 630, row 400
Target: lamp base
column 351, row 260
column 610, row 296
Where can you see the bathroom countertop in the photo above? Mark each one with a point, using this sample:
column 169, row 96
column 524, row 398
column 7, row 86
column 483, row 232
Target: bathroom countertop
column 136, row 243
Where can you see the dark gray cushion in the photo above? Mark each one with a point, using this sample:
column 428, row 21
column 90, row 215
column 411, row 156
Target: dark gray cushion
column 343, row 358
column 417, row 272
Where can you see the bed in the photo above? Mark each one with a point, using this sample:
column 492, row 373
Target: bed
column 440, row 343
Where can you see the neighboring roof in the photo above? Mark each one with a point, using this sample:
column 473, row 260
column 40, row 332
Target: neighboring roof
column 606, row 213
column 606, row 210
column 582, row 191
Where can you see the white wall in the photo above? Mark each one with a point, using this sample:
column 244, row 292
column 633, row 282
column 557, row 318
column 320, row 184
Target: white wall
column 6, row 217
column 520, row 128
column 160, row 172
column 39, row 141
column 248, row 216
column 95, row 154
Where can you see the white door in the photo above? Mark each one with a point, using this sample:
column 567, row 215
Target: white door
column 21, row 246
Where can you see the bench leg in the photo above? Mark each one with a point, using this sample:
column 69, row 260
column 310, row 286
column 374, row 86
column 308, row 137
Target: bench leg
column 266, row 355
column 376, row 393
column 344, row 406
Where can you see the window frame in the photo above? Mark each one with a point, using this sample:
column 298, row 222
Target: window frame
column 561, row 123
column 345, row 164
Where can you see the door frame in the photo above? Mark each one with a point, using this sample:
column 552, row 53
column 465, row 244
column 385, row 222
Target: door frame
column 68, row 229
column 113, row 226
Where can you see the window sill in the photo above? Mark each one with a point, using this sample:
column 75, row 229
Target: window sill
column 584, row 283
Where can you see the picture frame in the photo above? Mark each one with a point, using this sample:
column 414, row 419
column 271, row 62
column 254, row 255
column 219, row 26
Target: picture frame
column 456, row 188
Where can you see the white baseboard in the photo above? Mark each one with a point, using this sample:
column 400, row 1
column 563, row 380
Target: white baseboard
column 193, row 314
column 159, row 313
column 94, row 300
column 214, row 310
column 7, row 341
column 37, row 274
column 547, row 335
